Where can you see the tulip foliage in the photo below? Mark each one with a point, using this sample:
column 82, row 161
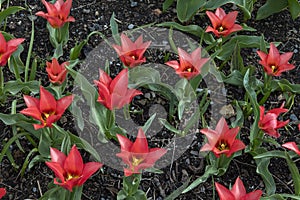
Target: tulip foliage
column 42, row 110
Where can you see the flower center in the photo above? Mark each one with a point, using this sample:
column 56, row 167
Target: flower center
column 45, row 116
column 136, row 161
column 223, row 145
column 189, row 69
column 274, row 68
column 134, row 57
column 220, row 29
column 71, row 176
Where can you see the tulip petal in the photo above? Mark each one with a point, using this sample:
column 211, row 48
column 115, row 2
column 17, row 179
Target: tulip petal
column 229, row 20
column 74, row 163
column 220, row 13
column 238, row 189
column 124, row 142
column 214, row 19
column 57, row 156
column 140, row 144
column 89, row 169
column 47, row 101
column 120, row 83
column 292, row 146
column 63, row 103
column 3, row 43
column 31, row 101
column 2, row 192
column 33, row 112
column 57, row 169
column 255, row 195
column 274, row 56
column 223, row 192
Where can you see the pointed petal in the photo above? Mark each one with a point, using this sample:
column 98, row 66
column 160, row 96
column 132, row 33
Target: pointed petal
column 104, row 78
column 292, row 146
column 3, row 46
column 120, row 83
column 223, row 192
column 15, row 42
column 212, row 136
column 127, row 44
column 284, row 58
column 57, row 156
column 89, row 169
column 2, row 192
column 31, row 101
column 63, row 104
column 105, row 96
column 173, row 63
column 207, row 147
column 222, row 126
column 274, row 56
column 125, row 143
column 57, row 169
column 140, row 144
column 255, row 195
column 33, row 112
column 220, row 13
column 74, row 163
column 229, row 20
column 47, row 101
column 215, row 20
column 238, row 189
column 66, row 7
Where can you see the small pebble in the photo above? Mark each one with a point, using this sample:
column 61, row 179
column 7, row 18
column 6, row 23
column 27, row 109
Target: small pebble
column 133, row 4
column 97, row 13
column 130, row 26
column 293, row 117
column 86, row 11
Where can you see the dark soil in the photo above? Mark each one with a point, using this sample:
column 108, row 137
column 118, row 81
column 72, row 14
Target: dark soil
column 94, row 15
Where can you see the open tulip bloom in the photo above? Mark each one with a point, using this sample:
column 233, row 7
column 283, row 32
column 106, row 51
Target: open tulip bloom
column 222, row 140
column 274, row 63
column 114, row 94
column 136, row 154
column 189, row 65
column 70, row 171
column 46, row 109
column 56, row 72
column 237, row 192
column 292, row 146
column 2, row 192
column 223, row 24
column 58, row 13
column 7, row 48
column 268, row 122
column 131, row 53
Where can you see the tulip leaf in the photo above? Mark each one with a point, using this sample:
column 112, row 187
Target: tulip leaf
column 76, row 50
column 167, row 4
column 294, row 7
column 178, row 191
column 55, row 192
column 186, row 9
column 295, row 174
column 236, row 59
column 270, row 154
column 9, row 11
column 171, row 128
column 235, row 78
column 17, row 86
column 285, row 86
column 26, row 162
column 114, row 29
column 271, row 7
column 280, row 197
column 148, row 123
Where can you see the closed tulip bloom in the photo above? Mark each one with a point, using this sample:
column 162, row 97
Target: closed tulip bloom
column 189, row 65
column 292, row 146
column 2, row 192
column 237, row 192
column 222, row 140
column 7, row 48
column 46, row 109
column 70, row 171
column 268, row 122
column 131, row 53
column 114, row 93
column 137, row 155
column 56, row 72
column 58, row 13
column 223, row 24
column 274, row 63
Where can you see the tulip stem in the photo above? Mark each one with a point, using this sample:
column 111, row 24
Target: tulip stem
column 1, row 81
column 267, row 89
column 75, row 194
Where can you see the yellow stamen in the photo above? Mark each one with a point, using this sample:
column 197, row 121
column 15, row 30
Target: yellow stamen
column 220, row 29
column 136, row 161
column 223, row 146
column 274, row 68
column 45, row 116
column 133, row 57
column 70, row 176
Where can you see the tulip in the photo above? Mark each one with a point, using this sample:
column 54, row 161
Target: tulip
column 46, row 109
column 136, row 154
column 58, row 13
column 292, row 146
column 2, row 192
column 274, row 63
column 7, row 48
column 222, row 140
column 56, row 72
column 268, row 122
column 189, row 65
column 223, row 24
column 114, row 94
column 237, row 192
column 131, row 53
column 70, row 171
column 299, row 127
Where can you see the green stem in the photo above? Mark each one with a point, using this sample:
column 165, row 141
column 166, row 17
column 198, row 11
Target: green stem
column 29, row 51
column 75, row 194
column 58, row 36
column 1, row 81
column 267, row 88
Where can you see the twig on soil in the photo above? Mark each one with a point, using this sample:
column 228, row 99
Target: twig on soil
column 39, row 187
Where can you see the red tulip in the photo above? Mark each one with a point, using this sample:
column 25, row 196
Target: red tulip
column 222, row 140
column 189, row 64
column 223, row 24
column 114, row 94
column 46, row 109
column 268, row 122
column 292, row 146
column 56, row 72
column 137, row 155
column 2, row 192
column 237, row 192
column 58, row 13
column 299, row 127
column 274, row 63
column 70, row 171
column 131, row 53
column 7, row 48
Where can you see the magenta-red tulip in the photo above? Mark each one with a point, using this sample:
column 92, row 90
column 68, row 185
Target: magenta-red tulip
column 58, row 13
column 292, row 146
column 70, row 171
column 189, row 65
column 7, row 48
column 299, row 127
column 46, row 109
column 237, row 192
column 274, row 63
column 56, row 72
column 223, row 24
column 268, row 122
column 222, row 140
column 114, row 94
column 131, row 53
column 2, row 192
column 137, row 155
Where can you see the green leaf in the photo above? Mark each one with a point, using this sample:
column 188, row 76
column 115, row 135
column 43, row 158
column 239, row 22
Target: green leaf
column 295, row 173
column 76, row 50
column 178, row 191
column 271, row 7
column 186, row 9
column 236, row 59
column 294, row 7
column 166, row 124
column 114, row 29
column 167, row 4
column 148, row 123
column 285, row 86
column 17, row 86
column 9, row 11
column 26, row 162
column 270, row 154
